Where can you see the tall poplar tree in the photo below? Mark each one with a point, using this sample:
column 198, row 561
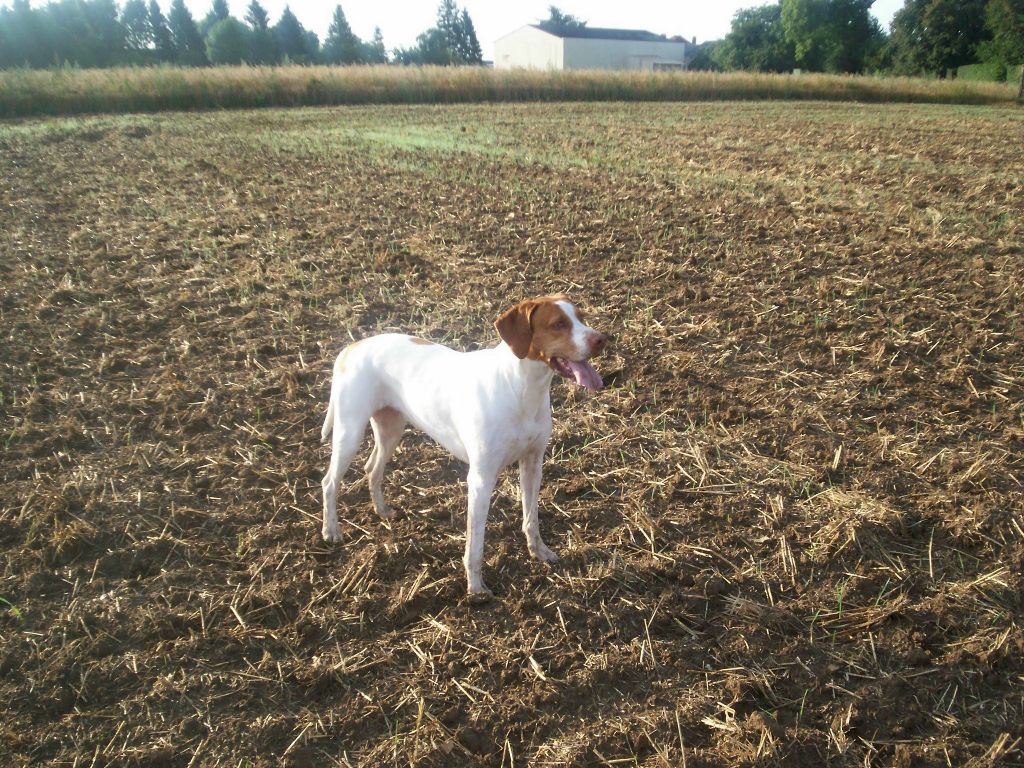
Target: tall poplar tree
column 471, row 51
column 341, row 46
column 219, row 11
column 292, row 39
column 187, row 41
column 138, row 31
column 163, row 42
column 376, row 53
column 261, row 39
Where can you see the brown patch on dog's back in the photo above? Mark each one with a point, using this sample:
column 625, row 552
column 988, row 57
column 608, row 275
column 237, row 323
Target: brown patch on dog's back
column 418, row 340
column 340, row 365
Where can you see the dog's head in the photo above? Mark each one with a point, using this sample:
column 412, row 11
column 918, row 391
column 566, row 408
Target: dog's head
column 551, row 329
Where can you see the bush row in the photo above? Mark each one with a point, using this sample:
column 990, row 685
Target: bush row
column 73, row 91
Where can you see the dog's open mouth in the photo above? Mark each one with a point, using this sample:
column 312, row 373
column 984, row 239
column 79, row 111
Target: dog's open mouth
column 579, row 371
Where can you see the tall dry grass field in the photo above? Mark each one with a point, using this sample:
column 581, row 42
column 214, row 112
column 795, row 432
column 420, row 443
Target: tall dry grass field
column 791, row 526
column 72, row 91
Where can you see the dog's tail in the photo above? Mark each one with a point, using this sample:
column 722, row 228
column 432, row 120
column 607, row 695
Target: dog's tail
column 325, row 431
column 328, row 426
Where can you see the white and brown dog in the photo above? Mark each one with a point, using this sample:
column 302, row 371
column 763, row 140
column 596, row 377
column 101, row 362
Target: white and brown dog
column 489, row 408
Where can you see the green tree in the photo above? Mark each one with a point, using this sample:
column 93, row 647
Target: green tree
column 263, row 49
column 82, row 32
column 906, row 39
column 955, row 29
column 65, row 35
column 431, row 48
column 163, row 43
column 257, row 17
column 218, row 12
column 460, row 34
column 831, row 35
column 703, row 59
column 374, row 51
column 228, row 42
column 936, row 36
column 470, row 50
column 452, row 41
column 341, row 46
column 138, row 30
column 102, row 36
column 1004, row 20
column 26, row 42
column 312, row 46
column 805, row 26
column 292, row 38
column 188, row 43
column 448, row 18
column 450, row 24
column 559, row 23
column 756, row 41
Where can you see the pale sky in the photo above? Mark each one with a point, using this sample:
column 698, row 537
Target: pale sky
column 402, row 20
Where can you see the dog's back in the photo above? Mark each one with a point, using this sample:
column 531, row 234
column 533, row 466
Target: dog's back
column 412, row 375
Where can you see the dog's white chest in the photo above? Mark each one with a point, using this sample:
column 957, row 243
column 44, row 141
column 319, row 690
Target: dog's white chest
column 528, row 435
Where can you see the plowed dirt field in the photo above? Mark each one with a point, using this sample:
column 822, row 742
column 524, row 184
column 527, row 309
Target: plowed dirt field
column 791, row 525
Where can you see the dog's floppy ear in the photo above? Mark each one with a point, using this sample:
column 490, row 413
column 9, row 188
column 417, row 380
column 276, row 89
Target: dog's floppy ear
column 513, row 326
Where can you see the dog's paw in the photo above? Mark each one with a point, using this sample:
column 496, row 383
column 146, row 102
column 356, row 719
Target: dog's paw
column 385, row 512
column 480, row 591
column 331, row 535
column 545, row 555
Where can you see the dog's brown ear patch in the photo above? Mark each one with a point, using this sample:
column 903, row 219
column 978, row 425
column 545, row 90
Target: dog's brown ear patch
column 513, row 326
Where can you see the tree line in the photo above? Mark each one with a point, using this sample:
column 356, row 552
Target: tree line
column 99, row 33
column 926, row 37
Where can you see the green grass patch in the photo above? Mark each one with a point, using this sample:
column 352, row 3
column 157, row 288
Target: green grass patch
column 429, row 140
column 10, row 607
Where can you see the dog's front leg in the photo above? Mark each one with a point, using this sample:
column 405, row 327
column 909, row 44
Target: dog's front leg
column 480, row 482
column 529, row 486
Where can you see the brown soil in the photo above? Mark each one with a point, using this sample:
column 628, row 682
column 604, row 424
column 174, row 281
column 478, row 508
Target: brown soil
column 791, row 526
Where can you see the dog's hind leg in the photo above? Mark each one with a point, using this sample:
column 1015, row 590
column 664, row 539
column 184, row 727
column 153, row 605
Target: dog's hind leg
column 347, row 433
column 388, row 426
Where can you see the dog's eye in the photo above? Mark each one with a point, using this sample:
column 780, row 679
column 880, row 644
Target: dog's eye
column 560, row 325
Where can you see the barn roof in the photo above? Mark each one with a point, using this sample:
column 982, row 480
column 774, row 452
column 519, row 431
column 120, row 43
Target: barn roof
column 599, row 33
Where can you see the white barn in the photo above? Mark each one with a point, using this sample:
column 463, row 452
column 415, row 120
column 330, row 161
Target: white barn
column 531, row 47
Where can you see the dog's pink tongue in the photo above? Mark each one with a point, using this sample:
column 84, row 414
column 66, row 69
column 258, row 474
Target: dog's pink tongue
column 585, row 374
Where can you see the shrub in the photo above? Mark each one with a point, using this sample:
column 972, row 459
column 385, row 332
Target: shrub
column 228, row 42
column 988, row 71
